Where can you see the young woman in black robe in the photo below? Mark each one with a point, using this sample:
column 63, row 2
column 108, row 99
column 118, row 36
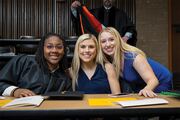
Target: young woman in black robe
column 26, row 75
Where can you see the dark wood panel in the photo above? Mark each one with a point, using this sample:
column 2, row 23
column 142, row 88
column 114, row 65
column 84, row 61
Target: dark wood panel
column 37, row 17
column 25, row 17
column 175, row 36
column 175, row 43
column 1, row 14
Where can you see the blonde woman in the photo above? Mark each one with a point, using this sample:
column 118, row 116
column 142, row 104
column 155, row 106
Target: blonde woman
column 88, row 76
column 144, row 75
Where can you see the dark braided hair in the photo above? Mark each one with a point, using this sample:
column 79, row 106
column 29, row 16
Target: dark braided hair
column 39, row 56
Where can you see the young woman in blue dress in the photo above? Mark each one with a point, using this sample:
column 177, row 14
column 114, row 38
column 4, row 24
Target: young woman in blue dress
column 144, row 75
column 88, row 76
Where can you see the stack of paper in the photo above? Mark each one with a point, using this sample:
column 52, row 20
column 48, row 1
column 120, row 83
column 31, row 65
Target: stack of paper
column 25, row 101
column 148, row 101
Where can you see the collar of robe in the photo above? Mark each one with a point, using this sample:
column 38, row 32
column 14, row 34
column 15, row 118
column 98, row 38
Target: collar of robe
column 52, row 71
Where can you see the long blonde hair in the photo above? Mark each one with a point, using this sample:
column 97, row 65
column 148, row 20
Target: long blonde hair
column 120, row 48
column 76, row 63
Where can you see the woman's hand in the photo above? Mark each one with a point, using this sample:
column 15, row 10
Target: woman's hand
column 22, row 93
column 147, row 93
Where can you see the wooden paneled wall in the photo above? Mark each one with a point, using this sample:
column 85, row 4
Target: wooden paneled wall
column 25, row 17
column 37, row 17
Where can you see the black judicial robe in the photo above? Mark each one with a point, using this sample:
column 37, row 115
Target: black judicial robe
column 114, row 17
column 24, row 72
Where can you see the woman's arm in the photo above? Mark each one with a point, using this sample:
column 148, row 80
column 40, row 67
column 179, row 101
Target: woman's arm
column 145, row 71
column 113, row 80
column 12, row 73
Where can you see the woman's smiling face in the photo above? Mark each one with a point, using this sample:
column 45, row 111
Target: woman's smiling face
column 107, row 43
column 87, row 50
column 53, row 50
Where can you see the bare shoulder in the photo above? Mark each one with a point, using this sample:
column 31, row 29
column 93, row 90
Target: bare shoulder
column 109, row 67
column 140, row 59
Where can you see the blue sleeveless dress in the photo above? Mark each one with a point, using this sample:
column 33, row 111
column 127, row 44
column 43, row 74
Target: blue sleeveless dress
column 131, row 76
column 98, row 84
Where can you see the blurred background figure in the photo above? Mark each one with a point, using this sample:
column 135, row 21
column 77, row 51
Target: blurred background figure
column 109, row 16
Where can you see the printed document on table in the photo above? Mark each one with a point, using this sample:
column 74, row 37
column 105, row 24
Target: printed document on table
column 142, row 102
column 25, row 101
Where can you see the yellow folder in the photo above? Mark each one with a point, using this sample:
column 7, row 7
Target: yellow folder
column 107, row 101
column 4, row 102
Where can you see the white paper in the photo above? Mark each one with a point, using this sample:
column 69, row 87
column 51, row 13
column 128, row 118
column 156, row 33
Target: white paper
column 2, row 98
column 25, row 101
column 148, row 101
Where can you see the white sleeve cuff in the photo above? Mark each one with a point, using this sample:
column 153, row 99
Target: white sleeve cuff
column 74, row 11
column 7, row 91
column 128, row 34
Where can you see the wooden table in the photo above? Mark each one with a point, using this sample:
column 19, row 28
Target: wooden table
column 56, row 109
